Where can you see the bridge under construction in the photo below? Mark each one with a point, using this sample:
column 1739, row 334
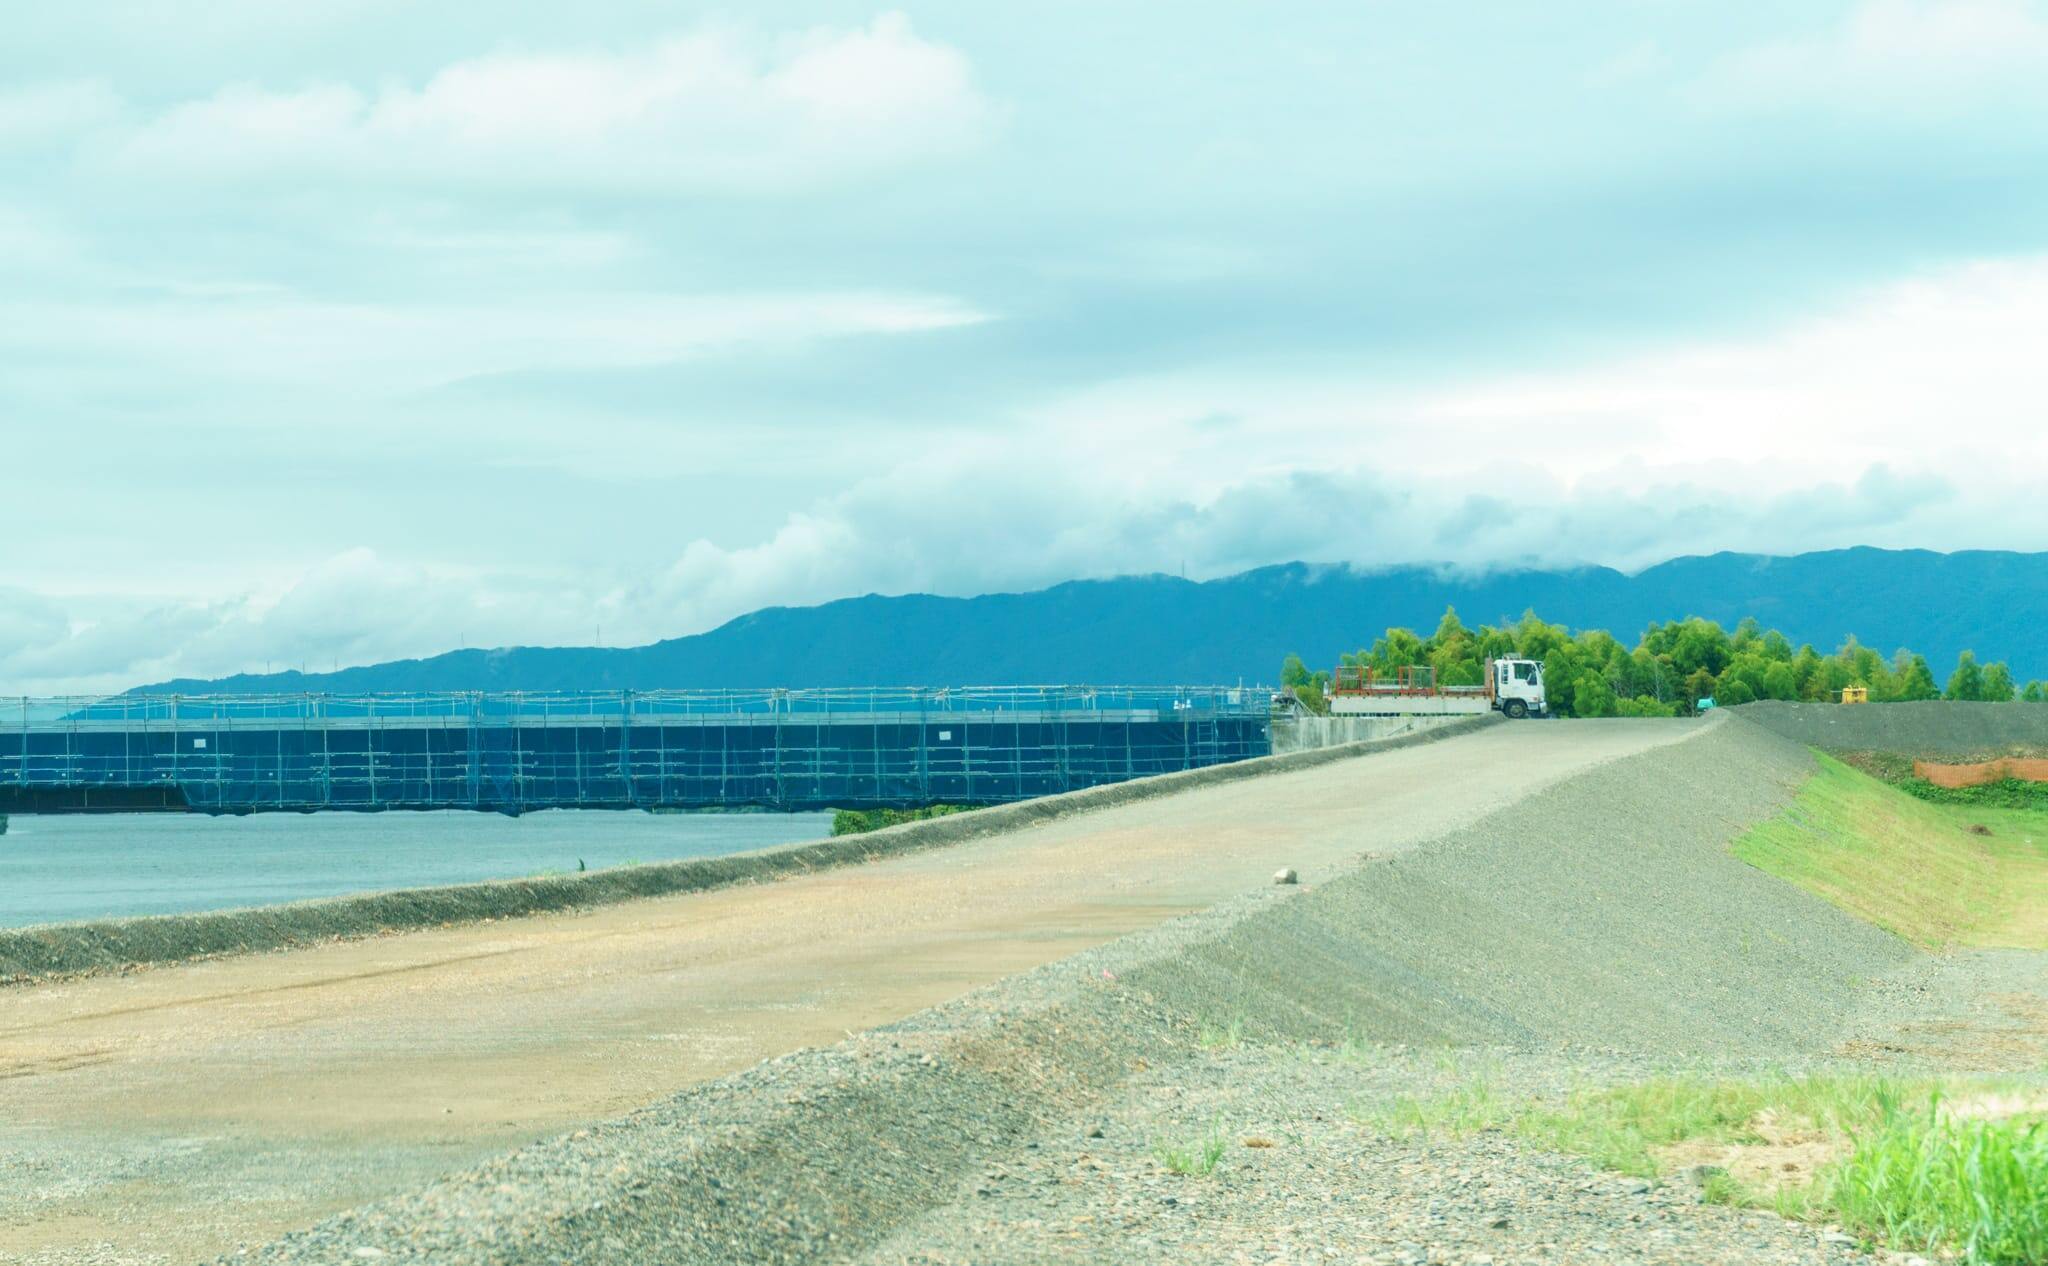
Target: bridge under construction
column 684, row 749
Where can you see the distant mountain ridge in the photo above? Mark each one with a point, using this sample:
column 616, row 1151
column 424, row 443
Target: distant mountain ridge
column 1160, row 629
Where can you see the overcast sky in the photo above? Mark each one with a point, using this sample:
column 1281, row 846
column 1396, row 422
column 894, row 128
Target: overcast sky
column 349, row 329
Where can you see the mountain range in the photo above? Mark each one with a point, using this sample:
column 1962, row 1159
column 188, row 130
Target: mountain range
column 1164, row 629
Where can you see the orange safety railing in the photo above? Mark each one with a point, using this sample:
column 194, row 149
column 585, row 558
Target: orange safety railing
column 1414, row 679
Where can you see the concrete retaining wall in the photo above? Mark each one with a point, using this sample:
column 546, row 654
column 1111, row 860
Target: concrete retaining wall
column 75, row 948
column 1308, row 734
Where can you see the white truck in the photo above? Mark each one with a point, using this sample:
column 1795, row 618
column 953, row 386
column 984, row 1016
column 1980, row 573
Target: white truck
column 1513, row 687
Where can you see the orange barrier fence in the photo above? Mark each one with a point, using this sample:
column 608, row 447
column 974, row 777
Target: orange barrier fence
column 2024, row 769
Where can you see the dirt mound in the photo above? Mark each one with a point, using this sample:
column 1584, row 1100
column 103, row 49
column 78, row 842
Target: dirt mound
column 1930, row 729
column 2025, row 769
column 1604, row 912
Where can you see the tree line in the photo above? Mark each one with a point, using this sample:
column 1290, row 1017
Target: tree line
column 1667, row 672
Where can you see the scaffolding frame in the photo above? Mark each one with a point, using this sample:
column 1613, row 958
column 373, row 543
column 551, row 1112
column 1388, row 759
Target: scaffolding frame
column 860, row 747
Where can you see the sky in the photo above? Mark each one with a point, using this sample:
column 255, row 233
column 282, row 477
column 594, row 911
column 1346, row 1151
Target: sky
column 349, row 330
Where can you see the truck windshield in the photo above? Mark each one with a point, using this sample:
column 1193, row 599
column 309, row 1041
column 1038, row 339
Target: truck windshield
column 1525, row 672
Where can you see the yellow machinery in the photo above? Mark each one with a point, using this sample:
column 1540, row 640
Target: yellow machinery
column 1855, row 694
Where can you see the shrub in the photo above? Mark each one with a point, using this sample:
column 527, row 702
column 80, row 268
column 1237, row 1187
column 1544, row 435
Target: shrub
column 860, row 821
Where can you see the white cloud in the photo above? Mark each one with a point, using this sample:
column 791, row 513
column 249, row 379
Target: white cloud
column 55, row 112
column 984, row 530
column 1941, row 371
column 1931, row 55
column 714, row 109
column 352, row 608
column 1909, row 416
column 262, row 337
column 1861, row 426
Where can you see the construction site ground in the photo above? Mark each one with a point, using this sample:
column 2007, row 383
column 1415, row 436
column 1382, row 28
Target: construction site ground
column 172, row 1114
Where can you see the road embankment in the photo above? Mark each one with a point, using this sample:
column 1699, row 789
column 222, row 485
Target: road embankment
column 1933, row 728
column 1601, row 913
column 56, row 950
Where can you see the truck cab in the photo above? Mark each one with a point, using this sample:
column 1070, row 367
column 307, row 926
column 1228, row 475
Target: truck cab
column 1517, row 688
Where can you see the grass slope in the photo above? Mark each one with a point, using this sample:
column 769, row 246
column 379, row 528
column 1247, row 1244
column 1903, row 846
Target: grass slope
column 1913, row 868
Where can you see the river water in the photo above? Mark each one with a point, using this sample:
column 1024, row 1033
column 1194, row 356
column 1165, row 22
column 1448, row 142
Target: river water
column 61, row 868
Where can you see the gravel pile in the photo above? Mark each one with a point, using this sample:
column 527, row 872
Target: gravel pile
column 1603, row 915
column 68, row 949
column 1603, row 912
column 1930, row 729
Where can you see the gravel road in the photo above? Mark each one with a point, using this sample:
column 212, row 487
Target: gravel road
column 177, row 1112
column 1587, row 930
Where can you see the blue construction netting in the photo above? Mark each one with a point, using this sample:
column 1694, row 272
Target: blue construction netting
column 784, row 749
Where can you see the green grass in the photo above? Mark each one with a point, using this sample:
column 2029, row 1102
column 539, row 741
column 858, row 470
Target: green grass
column 1620, row 1128
column 1906, row 1171
column 861, row 821
column 1463, row 1110
column 1197, row 1159
column 1912, row 867
column 2006, row 793
column 1928, row 1182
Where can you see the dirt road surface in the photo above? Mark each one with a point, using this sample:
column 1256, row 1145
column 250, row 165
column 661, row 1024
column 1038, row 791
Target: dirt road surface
column 169, row 1115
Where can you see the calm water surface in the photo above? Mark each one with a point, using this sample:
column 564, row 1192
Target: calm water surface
column 61, row 868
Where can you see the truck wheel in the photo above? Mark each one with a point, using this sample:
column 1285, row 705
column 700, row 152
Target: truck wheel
column 1515, row 708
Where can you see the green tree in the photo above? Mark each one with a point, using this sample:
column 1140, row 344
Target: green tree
column 1698, row 686
column 1304, row 685
column 1672, row 666
column 1400, row 648
column 1779, row 683
column 1561, row 679
column 1834, row 675
column 1454, row 653
column 2034, row 693
column 1997, row 683
column 1917, row 681
column 1749, row 634
column 1700, row 644
column 1967, row 682
column 1809, row 670
column 1591, row 696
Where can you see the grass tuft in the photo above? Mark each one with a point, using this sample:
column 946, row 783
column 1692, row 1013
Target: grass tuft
column 1463, row 1110
column 1197, row 1159
column 1928, row 1181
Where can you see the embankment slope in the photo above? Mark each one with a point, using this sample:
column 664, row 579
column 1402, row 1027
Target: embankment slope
column 1603, row 912
column 1932, row 728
